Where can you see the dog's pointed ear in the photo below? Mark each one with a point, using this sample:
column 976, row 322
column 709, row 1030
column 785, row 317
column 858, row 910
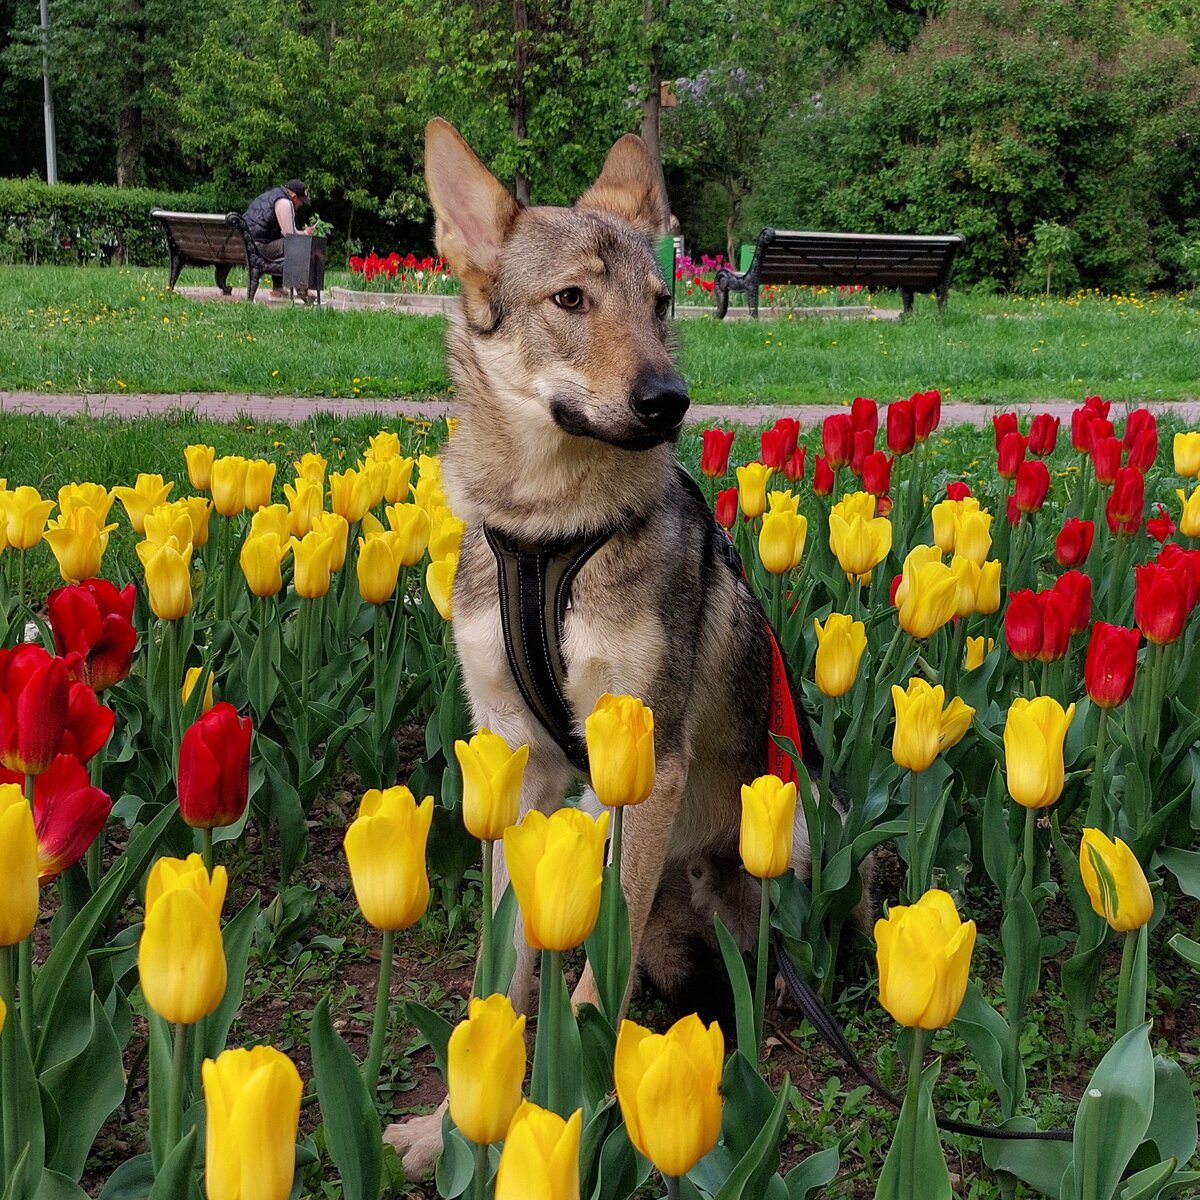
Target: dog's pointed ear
column 628, row 187
column 473, row 208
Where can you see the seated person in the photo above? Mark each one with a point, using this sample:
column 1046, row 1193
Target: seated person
column 271, row 216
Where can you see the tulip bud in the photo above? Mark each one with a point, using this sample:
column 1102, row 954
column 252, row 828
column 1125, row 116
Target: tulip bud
column 335, row 527
column 781, row 541
column 540, row 1159
column 74, row 496
column 93, row 630
column 78, row 540
column 1187, row 454
column 485, row 1069
column 378, row 567
column 252, row 1101
column 923, row 727
column 313, row 554
column 620, row 744
column 492, row 775
column 1074, row 543
column 987, row 598
column 1076, row 588
column 260, row 478
column 768, row 826
column 752, row 488
column 1160, row 605
column 901, row 433
column 439, row 583
column 859, row 540
column 385, row 847
column 1010, row 455
column 877, row 473
column 928, row 593
column 350, row 494
column 669, row 1089
column 978, row 648
column 34, row 698
column 824, row 478
column 199, row 466
column 1115, row 881
column 168, row 570
column 142, row 499
column 261, row 560
column 311, row 467
column 23, row 513
column 924, row 955
column 190, row 678
column 1189, row 518
column 214, row 768
column 1126, row 502
column 1043, row 434
column 1106, row 458
column 839, row 649
column 228, row 484
column 793, row 469
column 774, row 448
column 556, row 865
column 863, row 442
column 1033, row 750
column 1033, row 482
column 837, row 439
column 410, row 523
column 927, row 412
column 18, row 867
column 727, row 507
column 1111, row 665
column 181, row 956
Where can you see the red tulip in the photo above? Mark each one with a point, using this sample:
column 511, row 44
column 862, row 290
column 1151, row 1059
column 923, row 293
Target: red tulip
column 1056, row 624
column 1043, row 434
column 790, row 428
column 88, row 722
column 1111, row 664
column 864, row 414
column 1013, row 513
column 1081, row 435
column 727, row 507
column 883, row 508
column 1074, row 542
column 1186, row 564
column 714, row 461
column 877, row 473
column 927, row 414
column 901, row 432
column 824, row 479
column 1011, row 455
column 1137, row 424
column 1096, row 405
column 1143, row 451
column 68, row 813
column 33, row 708
column 957, row 490
column 837, row 439
column 1033, row 482
column 1106, row 459
column 1003, row 424
column 1076, row 588
column 1160, row 605
column 793, row 469
column 214, row 768
column 93, row 630
column 1160, row 527
column 774, row 447
column 1125, row 504
column 897, row 580
column 864, row 444
column 1023, row 625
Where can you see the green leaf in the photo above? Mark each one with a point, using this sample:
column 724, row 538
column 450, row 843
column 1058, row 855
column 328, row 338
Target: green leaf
column 132, row 1180
column 351, row 1122
column 916, row 1151
column 760, row 1152
column 1185, row 866
column 175, row 1179
column 622, row 1169
column 23, row 1107
column 436, row 1029
column 992, row 1043
column 814, row 1172
column 22, row 1180
column 1145, row 1185
column 1186, row 948
column 160, row 1088
column 735, row 968
column 1173, row 1126
column 211, row 1034
column 609, row 948
column 456, row 1164
column 504, row 948
column 54, row 1186
column 598, row 1042
column 1041, row 1164
column 557, row 1078
column 1022, row 942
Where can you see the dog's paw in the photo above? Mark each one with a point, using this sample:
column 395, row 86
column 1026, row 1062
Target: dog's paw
column 418, row 1142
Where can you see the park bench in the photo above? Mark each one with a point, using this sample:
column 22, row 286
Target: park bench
column 908, row 263
column 220, row 240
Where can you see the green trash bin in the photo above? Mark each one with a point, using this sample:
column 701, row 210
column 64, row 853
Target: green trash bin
column 665, row 252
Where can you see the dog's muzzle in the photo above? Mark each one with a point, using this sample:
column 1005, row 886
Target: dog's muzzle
column 659, row 400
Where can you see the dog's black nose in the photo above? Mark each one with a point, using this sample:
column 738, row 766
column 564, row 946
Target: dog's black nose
column 660, row 399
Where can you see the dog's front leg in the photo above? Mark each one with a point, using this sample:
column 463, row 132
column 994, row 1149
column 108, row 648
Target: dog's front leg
column 646, row 836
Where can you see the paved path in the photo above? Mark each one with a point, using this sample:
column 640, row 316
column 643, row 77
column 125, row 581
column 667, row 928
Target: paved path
column 220, row 406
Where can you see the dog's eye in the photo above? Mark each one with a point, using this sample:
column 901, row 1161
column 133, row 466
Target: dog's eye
column 572, row 299
column 662, row 306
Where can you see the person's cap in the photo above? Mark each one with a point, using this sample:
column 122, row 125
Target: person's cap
column 297, row 186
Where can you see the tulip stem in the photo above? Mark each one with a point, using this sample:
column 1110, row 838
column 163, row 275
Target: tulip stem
column 206, row 849
column 760, row 976
column 95, row 852
column 672, row 1182
column 174, row 694
column 482, row 1170
column 21, row 598
column 613, row 925
column 484, row 976
column 179, row 1074
column 1030, row 829
column 379, row 1028
column 306, row 621
column 549, row 981
column 25, row 959
column 8, row 1118
column 1131, row 988
column 1097, row 814
column 377, row 672
column 916, row 886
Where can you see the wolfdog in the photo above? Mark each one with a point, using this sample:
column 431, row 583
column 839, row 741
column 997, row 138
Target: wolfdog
column 569, row 404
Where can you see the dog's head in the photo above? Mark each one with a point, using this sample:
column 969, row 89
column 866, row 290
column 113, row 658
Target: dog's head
column 565, row 307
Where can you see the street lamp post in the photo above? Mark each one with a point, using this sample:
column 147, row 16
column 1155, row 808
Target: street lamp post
column 48, row 98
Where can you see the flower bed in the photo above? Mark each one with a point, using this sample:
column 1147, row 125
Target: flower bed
column 404, row 274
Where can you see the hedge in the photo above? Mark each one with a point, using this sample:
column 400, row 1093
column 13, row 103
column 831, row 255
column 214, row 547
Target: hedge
column 70, row 223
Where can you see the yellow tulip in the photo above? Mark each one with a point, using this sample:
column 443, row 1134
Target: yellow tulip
column 768, row 826
column 945, row 525
column 429, row 468
column 410, row 523
column 168, row 570
column 377, row 478
column 313, row 555
column 18, row 866
column 181, row 957
column 25, row 514
column 439, row 583
column 1189, row 519
column 338, row 528
column 385, row 847
column 399, row 480
column 306, row 501
column 620, row 744
column 783, row 502
column 445, row 533
column 840, row 645
column 311, row 467
column 1033, row 750
column 383, row 446
column 540, row 1159
column 859, row 544
column 1187, row 454
column 190, row 678
column 973, row 536
column 199, row 509
column 924, row 956
column 260, row 478
column 261, row 560
column 252, row 1101
column 3, row 1014
column 492, row 775
column 669, row 1089
column 978, row 648
column 966, row 574
column 78, row 541
column 856, row 504
column 752, row 488
column 167, row 521
column 85, row 495
column 199, row 460
column 923, row 727
column 781, row 540
column 378, row 567
column 143, row 498
column 350, row 494
column 272, row 518
column 556, row 864
column 928, row 593
column 485, row 1069
column 428, row 494
column 987, row 598
column 1115, row 881
column 228, row 484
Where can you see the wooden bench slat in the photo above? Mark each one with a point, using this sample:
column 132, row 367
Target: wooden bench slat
column 219, row 240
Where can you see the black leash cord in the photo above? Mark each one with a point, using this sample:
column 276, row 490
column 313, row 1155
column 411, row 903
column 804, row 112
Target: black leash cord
column 824, row 1022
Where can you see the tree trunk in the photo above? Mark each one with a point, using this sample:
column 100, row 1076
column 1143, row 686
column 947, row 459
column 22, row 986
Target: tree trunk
column 651, row 105
column 520, row 60
column 131, row 139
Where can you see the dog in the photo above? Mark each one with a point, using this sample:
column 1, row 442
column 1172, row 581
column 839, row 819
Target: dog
column 569, row 404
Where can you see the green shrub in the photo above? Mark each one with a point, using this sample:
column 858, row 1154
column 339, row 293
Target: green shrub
column 71, row 223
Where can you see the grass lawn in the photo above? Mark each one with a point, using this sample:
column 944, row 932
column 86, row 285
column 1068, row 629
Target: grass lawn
column 116, row 329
